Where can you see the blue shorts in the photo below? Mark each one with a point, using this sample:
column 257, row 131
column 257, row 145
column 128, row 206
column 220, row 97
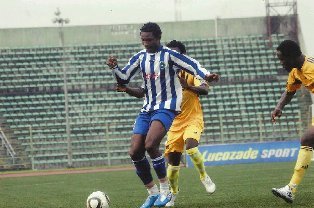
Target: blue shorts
column 144, row 119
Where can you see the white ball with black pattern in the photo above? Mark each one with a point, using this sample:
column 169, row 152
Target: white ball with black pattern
column 98, row 199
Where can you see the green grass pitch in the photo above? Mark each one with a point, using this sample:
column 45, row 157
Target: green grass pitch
column 246, row 185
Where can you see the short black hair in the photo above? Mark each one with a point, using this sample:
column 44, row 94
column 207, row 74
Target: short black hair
column 289, row 49
column 177, row 44
column 152, row 27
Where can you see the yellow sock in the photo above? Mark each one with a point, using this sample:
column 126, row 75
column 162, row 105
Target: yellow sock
column 303, row 162
column 173, row 177
column 197, row 160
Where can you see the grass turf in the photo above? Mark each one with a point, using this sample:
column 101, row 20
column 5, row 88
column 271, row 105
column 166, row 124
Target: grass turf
column 247, row 185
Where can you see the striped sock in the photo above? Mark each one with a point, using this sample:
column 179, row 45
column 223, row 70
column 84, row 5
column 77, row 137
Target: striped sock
column 159, row 165
column 143, row 170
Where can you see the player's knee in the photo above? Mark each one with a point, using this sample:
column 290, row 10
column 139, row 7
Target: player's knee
column 174, row 158
column 308, row 138
column 132, row 155
column 135, row 155
column 191, row 143
column 150, row 148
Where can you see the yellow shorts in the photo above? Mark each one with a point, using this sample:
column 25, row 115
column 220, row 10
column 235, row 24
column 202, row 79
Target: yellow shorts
column 176, row 139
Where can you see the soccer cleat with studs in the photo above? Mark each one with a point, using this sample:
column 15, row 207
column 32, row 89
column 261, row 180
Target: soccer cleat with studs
column 285, row 193
column 150, row 201
column 163, row 199
column 171, row 202
column 208, row 184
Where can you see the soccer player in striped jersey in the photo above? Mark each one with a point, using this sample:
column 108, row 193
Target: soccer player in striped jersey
column 163, row 96
column 301, row 72
column 186, row 128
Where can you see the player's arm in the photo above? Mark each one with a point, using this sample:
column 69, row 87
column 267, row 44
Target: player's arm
column 292, row 86
column 201, row 89
column 286, row 98
column 125, row 74
column 192, row 66
column 133, row 91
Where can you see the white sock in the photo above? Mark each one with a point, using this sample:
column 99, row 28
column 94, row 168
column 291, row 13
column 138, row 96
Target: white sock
column 153, row 190
column 164, row 187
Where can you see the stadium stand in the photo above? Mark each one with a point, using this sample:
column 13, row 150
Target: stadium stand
column 32, row 99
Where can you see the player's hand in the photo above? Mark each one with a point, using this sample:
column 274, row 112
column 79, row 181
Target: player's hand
column 212, row 77
column 120, row 88
column 112, row 62
column 275, row 114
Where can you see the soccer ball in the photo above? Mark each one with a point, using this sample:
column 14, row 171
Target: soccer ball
column 97, row 199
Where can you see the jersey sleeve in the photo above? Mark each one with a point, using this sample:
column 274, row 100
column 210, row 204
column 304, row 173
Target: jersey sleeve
column 293, row 84
column 125, row 74
column 188, row 64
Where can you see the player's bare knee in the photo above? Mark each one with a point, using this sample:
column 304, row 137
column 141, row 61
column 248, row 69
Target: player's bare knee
column 174, row 158
column 131, row 153
column 308, row 138
column 135, row 155
column 191, row 143
column 150, row 148
column 307, row 142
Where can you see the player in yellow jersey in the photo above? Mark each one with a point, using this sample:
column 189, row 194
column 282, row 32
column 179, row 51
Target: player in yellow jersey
column 186, row 130
column 301, row 72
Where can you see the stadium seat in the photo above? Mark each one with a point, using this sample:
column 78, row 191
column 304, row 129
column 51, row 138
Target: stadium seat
column 101, row 119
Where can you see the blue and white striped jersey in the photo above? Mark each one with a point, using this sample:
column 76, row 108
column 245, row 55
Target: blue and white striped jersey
column 159, row 73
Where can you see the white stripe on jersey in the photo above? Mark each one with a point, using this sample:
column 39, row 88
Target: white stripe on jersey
column 167, row 103
column 159, row 73
column 157, row 85
column 148, row 84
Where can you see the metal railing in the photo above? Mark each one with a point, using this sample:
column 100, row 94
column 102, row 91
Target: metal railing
column 5, row 142
column 107, row 142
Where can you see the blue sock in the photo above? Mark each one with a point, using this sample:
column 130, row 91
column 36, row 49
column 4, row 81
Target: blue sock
column 159, row 165
column 143, row 170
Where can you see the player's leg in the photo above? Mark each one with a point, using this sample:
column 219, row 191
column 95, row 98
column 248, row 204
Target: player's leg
column 142, row 166
column 192, row 136
column 195, row 155
column 160, row 124
column 173, row 152
column 302, row 164
column 174, row 158
column 304, row 158
column 137, row 154
column 153, row 139
column 173, row 171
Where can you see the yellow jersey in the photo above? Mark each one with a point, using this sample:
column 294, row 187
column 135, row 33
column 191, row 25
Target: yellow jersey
column 191, row 109
column 304, row 76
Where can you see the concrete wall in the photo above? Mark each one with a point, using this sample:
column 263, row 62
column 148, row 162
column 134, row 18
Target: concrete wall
column 129, row 33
